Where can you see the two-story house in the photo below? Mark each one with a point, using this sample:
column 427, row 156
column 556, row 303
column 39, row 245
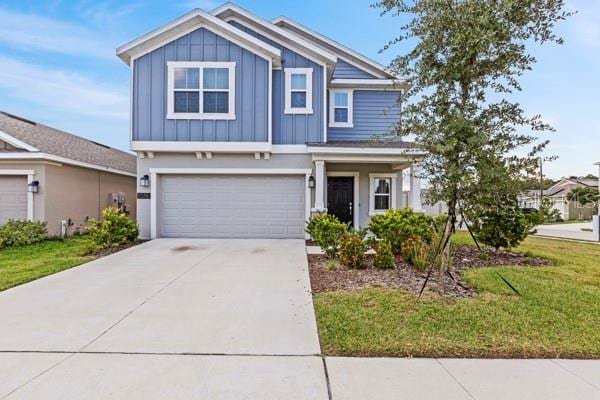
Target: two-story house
column 244, row 127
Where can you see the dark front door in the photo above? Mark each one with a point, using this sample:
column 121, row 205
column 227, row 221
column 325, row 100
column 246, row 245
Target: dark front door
column 340, row 195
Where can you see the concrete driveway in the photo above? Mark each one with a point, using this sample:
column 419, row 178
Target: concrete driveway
column 148, row 307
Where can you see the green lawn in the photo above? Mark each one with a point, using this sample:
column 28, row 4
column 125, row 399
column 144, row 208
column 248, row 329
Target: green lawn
column 558, row 314
column 23, row 264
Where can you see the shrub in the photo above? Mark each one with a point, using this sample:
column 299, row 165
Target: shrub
column 398, row 225
column 384, row 258
column 326, row 230
column 503, row 227
column 331, row 264
column 114, row 229
column 20, row 233
column 352, row 249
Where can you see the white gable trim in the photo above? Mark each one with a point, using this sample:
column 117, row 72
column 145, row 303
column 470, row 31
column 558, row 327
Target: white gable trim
column 375, row 68
column 188, row 23
column 272, row 31
column 13, row 141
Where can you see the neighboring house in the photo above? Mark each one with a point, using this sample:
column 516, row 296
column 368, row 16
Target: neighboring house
column 245, row 127
column 53, row 176
column 557, row 194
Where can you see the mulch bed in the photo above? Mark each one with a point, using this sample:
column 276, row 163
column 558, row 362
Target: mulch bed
column 112, row 250
column 406, row 277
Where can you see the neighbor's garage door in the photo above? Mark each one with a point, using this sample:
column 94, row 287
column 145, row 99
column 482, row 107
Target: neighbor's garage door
column 13, row 198
column 252, row 206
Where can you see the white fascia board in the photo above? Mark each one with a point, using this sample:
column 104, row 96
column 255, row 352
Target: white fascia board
column 63, row 160
column 378, row 68
column 231, row 171
column 13, row 141
column 231, row 9
column 364, row 150
column 373, row 84
column 366, row 159
column 185, row 147
column 188, row 23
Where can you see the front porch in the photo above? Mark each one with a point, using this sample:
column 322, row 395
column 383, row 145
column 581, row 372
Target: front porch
column 356, row 182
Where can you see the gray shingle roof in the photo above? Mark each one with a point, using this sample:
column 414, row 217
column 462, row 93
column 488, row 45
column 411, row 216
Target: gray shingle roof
column 58, row 143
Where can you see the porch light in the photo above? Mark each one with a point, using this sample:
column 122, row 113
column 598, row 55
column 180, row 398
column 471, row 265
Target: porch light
column 311, row 182
column 33, row 186
column 145, row 181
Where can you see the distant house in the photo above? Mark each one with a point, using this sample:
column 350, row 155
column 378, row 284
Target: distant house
column 53, row 176
column 557, row 193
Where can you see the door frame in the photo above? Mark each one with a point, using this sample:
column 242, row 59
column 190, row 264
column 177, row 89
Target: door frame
column 356, row 194
column 155, row 174
column 30, row 176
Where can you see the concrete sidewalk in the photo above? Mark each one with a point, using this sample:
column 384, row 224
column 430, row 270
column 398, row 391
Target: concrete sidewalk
column 450, row 379
column 568, row 231
column 93, row 376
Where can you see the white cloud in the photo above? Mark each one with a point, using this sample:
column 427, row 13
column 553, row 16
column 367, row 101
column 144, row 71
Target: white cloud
column 34, row 32
column 108, row 12
column 62, row 91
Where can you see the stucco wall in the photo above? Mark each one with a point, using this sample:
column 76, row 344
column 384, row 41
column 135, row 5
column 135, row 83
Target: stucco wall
column 79, row 194
column 277, row 161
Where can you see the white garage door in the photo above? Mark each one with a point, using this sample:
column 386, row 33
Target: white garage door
column 13, row 198
column 247, row 206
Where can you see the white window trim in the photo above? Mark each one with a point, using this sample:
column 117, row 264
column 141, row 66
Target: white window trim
column 288, row 90
column 171, row 114
column 350, row 107
column 394, row 177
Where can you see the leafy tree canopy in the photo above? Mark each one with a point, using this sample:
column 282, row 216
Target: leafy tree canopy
column 466, row 62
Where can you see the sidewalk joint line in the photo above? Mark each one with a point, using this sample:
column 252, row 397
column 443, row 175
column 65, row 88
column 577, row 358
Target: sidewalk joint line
column 454, row 378
column 574, row 374
column 329, row 395
column 38, row 375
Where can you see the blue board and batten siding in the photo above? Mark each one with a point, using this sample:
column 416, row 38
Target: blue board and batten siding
column 375, row 113
column 344, row 70
column 294, row 128
column 150, row 121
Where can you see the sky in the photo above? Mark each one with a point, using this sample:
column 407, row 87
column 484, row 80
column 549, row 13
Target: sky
column 58, row 64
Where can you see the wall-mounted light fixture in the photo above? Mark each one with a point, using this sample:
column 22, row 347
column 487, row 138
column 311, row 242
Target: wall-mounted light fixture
column 33, row 186
column 145, row 181
column 311, row 182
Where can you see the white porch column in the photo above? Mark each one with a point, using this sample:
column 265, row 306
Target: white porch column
column 320, row 176
column 414, row 196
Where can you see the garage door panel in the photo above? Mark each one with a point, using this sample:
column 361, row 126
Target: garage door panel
column 13, row 198
column 232, row 206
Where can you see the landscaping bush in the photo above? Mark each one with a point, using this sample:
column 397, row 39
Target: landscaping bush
column 114, row 229
column 416, row 252
column 20, row 233
column 352, row 248
column 398, row 225
column 326, row 230
column 384, row 258
column 504, row 227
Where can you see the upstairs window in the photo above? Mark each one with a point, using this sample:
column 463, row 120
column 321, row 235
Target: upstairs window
column 201, row 90
column 341, row 108
column 298, row 91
